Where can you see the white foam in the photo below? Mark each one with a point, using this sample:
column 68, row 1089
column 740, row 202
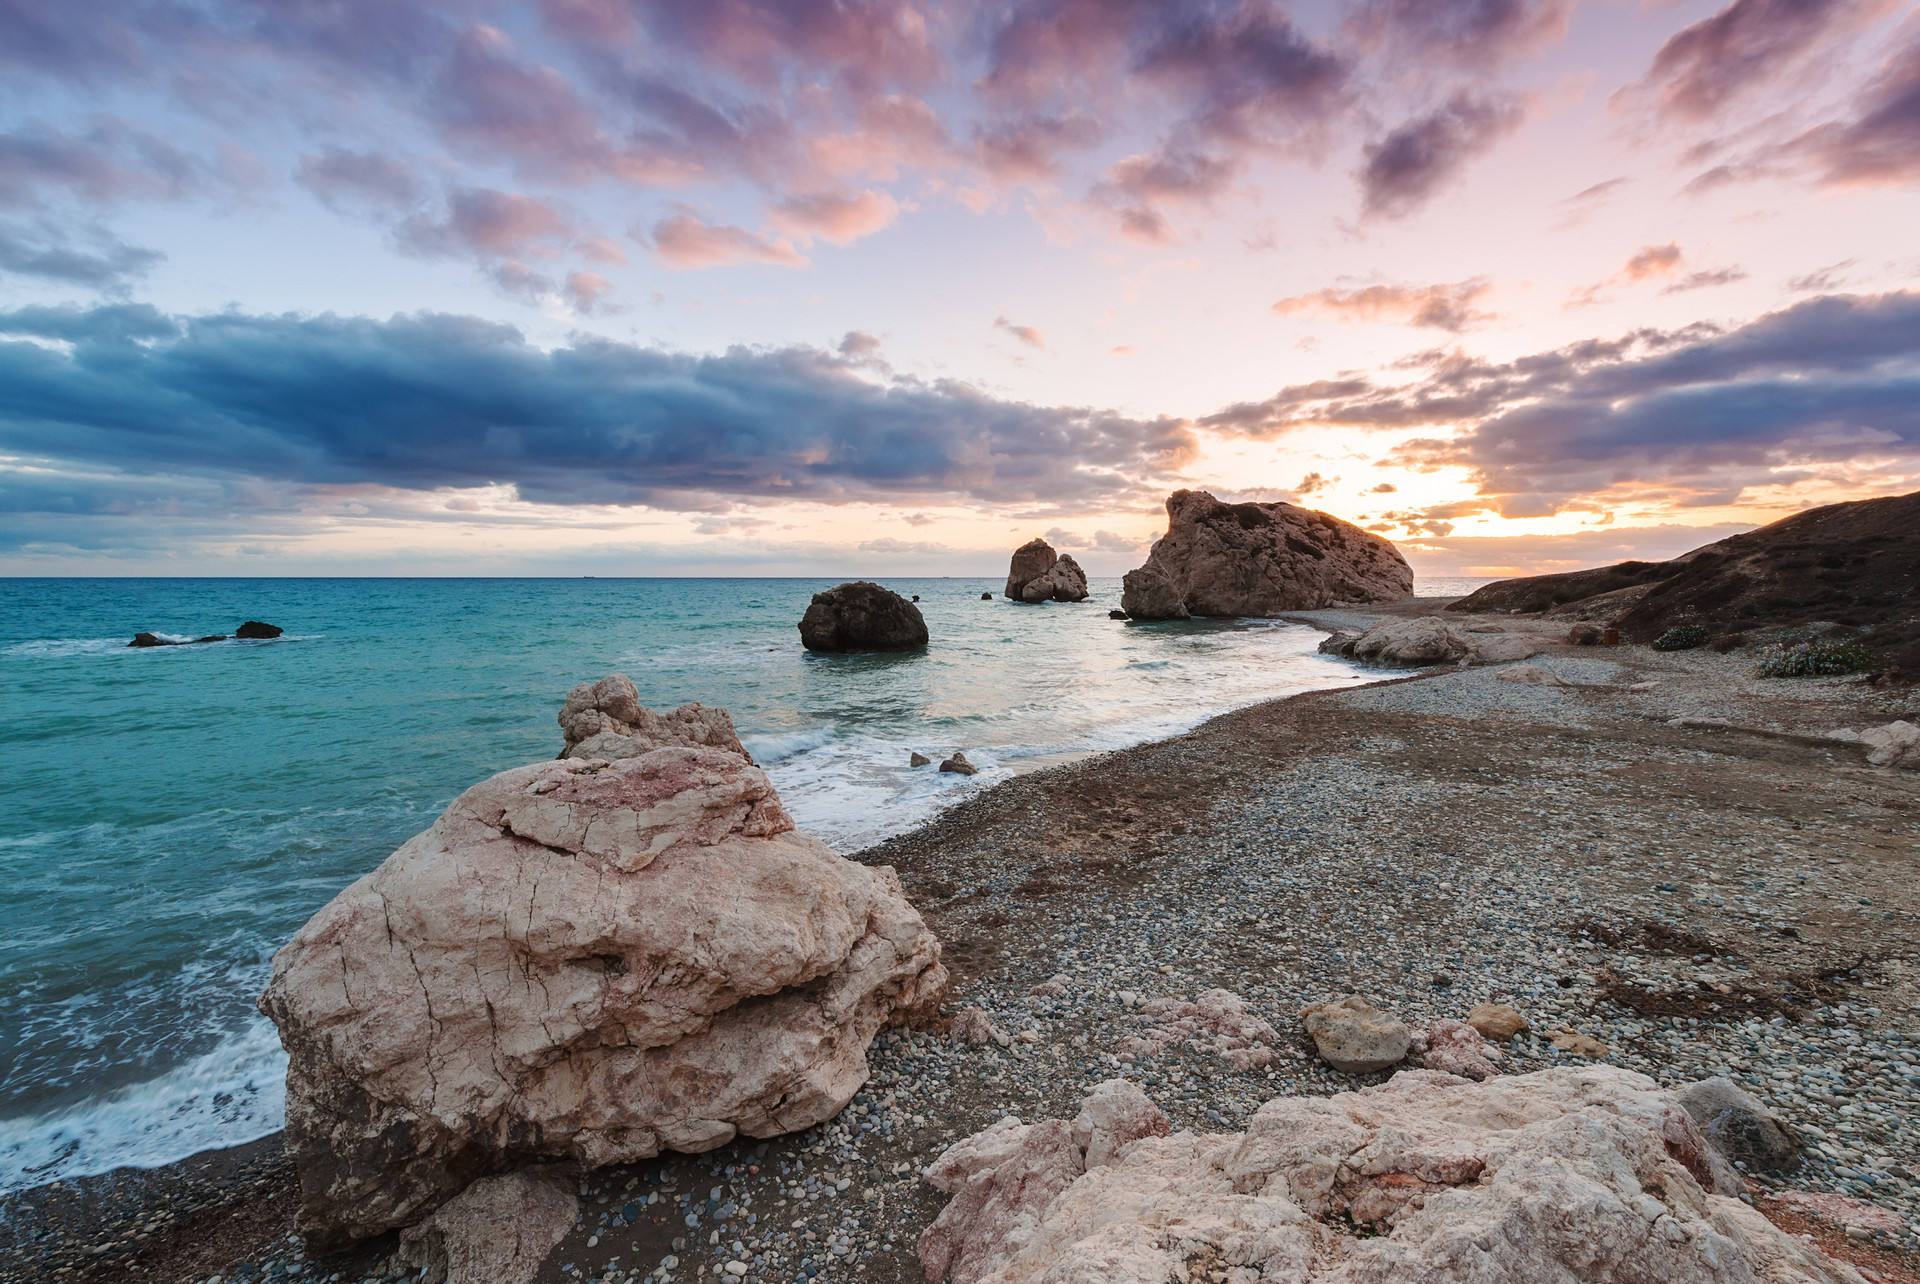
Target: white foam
column 234, row 1094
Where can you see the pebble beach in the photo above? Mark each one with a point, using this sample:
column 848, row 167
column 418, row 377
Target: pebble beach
column 1663, row 864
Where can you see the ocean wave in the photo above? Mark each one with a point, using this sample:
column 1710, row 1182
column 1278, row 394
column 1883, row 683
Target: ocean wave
column 61, row 647
column 233, row 1094
column 780, row 745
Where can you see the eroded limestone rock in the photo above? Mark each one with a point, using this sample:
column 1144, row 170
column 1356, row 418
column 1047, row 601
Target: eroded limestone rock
column 496, row 1231
column 1038, row 574
column 605, row 719
column 862, row 616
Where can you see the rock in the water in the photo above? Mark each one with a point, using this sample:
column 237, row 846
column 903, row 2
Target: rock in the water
column 1456, row 1048
column 149, row 639
column 1353, row 1035
column 589, row 961
column 1260, row 559
column 1497, row 1021
column 1116, row 615
column 497, row 1231
column 862, row 616
column 1413, row 643
column 1587, row 1174
column 1038, row 574
column 1339, row 642
column 1146, row 594
column 1532, row 675
column 255, row 629
column 958, row 763
column 986, row 597
column 605, row 719
column 918, row 759
column 1739, row 1127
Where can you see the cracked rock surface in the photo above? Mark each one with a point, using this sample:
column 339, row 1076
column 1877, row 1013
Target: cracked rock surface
column 584, row 960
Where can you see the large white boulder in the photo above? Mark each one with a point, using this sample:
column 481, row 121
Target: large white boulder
column 1592, row 1175
column 583, row 960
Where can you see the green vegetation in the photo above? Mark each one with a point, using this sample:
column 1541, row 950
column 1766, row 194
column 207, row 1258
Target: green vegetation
column 1684, row 638
column 1820, row 658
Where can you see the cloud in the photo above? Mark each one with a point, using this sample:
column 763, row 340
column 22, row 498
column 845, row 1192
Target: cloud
column 1470, row 33
column 1647, row 263
column 342, row 179
column 432, row 402
column 835, row 217
column 889, row 545
column 96, row 260
column 1748, row 44
column 858, row 344
column 683, row 241
column 1500, row 556
column 1651, row 260
column 1408, row 167
column 1027, row 334
column 1706, row 279
column 487, row 221
column 1312, row 482
column 1880, row 144
column 1440, row 307
column 1821, row 280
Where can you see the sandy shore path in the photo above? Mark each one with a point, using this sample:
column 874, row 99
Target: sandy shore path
column 1696, row 896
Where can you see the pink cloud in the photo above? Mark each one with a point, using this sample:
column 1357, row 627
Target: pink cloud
column 836, row 217
column 1027, row 334
column 683, row 241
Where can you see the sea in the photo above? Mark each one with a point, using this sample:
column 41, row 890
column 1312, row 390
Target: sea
column 173, row 815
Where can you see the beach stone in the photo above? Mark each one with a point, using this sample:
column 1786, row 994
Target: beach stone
column 1503, row 648
column 1580, row 1045
column 1497, row 1021
column 256, row 629
column 958, row 763
column 1259, row 560
column 972, row 1026
column 605, row 719
column 497, row 1231
column 1897, row 744
column 1038, row 574
column 1412, row 643
column 918, row 759
column 583, row 960
column 1456, row 1048
column 1531, row 675
column 861, row 616
column 1147, row 594
column 1739, row 1127
column 1559, row 1175
column 1215, row 1021
column 1114, row 1115
column 1353, row 1035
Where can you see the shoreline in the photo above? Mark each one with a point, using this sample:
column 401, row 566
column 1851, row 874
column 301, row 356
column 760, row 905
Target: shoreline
column 1364, row 838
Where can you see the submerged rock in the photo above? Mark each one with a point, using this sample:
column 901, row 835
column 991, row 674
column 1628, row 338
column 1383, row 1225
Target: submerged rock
column 1260, row 559
column 1589, row 1174
column 583, row 960
column 862, row 616
column 605, row 719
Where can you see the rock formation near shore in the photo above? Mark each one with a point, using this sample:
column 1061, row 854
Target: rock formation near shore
column 1038, row 574
column 583, row 960
column 1588, row 1174
column 605, row 719
column 1857, row 564
column 862, row 616
column 1259, row 560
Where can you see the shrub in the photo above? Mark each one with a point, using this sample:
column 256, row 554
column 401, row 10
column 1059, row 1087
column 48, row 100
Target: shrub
column 1684, row 638
column 1819, row 658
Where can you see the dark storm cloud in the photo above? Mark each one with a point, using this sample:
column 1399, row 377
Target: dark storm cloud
column 428, row 401
column 1827, row 381
column 1406, row 168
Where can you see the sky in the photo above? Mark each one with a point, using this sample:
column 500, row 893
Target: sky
column 887, row 287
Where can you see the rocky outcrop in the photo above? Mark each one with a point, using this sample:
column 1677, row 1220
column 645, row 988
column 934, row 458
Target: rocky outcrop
column 583, row 960
column 1455, row 1047
column 1588, row 1174
column 1897, row 744
column 1857, row 561
column 1352, row 1035
column 861, row 616
column 496, row 1231
column 1428, row 640
column 251, row 629
column 256, row 629
column 605, row 719
column 1258, row 560
column 1038, row 574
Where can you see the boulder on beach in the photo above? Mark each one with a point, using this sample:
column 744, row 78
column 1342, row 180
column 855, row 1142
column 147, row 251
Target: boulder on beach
column 1897, row 744
column 1589, row 1174
column 605, row 719
column 583, row 960
column 1259, row 560
column 1497, row 1021
column 1412, row 643
column 496, row 1231
column 1038, row 574
column 1352, row 1035
column 861, row 616
column 1739, row 1127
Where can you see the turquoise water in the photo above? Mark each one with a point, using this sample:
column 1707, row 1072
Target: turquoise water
column 173, row 815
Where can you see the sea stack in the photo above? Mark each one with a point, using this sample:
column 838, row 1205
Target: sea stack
column 862, row 616
column 1259, row 559
column 1038, row 574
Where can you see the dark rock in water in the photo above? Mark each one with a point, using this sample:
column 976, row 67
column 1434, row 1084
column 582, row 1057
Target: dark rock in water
column 1340, row 643
column 1038, row 574
column 212, row 637
column 958, row 763
column 255, row 629
column 148, row 639
column 986, row 597
column 919, row 759
column 916, row 597
column 1116, row 615
column 1856, row 563
column 862, row 616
